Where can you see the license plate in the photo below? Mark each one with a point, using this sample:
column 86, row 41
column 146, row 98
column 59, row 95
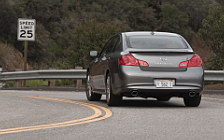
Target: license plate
column 164, row 83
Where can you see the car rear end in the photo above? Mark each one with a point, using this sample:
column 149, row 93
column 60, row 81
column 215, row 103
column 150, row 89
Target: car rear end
column 159, row 65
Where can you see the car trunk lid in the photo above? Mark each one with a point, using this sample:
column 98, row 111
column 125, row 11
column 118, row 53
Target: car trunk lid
column 162, row 60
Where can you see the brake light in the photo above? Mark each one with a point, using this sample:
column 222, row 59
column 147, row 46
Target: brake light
column 195, row 61
column 129, row 60
column 183, row 64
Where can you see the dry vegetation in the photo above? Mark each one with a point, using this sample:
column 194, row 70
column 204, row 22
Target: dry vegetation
column 10, row 58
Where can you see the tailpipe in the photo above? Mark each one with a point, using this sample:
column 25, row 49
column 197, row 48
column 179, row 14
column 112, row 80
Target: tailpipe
column 134, row 93
column 192, row 93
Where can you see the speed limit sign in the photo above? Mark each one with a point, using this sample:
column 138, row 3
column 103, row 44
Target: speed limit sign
column 26, row 29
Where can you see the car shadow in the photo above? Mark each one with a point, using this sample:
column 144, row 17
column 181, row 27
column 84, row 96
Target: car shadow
column 148, row 103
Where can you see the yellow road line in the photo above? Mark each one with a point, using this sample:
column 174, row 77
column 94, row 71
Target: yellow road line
column 97, row 116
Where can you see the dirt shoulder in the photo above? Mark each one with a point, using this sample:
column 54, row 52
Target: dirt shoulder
column 214, row 87
column 214, row 94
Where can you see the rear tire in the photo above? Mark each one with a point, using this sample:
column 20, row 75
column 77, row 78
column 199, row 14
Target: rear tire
column 192, row 101
column 90, row 95
column 112, row 100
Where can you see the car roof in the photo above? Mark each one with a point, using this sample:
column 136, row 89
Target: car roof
column 150, row 33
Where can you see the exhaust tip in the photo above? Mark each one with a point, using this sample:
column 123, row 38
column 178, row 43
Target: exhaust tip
column 134, row 93
column 192, row 93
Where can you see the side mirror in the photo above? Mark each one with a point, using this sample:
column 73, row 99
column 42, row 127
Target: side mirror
column 93, row 53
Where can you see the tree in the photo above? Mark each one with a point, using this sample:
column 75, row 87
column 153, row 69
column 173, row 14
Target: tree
column 90, row 35
column 65, row 26
column 8, row 22
column 173, row 19
column 142, row 18
column 213, row 34
column 196, row 11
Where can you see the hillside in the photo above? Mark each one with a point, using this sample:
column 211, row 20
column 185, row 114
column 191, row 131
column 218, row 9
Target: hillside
column 67, row 30
column 10, row 58
column 200, row 48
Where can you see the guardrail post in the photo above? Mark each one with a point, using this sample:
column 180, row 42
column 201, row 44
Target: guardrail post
column 19, row 83
column 1, row 83
column 78, row 82
column 51, row 83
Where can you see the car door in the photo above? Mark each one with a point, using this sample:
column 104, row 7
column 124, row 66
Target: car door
column 104, row 60
column 96, row 70
column 113, row 61
column 94, row 74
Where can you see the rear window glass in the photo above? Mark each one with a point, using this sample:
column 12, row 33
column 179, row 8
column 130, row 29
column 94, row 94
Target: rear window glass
column 156, row 42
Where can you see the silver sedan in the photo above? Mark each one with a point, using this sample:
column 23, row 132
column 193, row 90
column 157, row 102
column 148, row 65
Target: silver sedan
column 145, row 64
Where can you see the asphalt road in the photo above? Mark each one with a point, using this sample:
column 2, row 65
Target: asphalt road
column 56, row 115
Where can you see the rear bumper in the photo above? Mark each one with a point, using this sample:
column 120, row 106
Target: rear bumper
column 152, row 91
column 134, row 79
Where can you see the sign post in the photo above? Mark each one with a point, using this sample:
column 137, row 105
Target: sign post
column 25, row 55
column 26, row 32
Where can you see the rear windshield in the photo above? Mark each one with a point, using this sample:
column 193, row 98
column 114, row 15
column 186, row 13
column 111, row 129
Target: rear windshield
column 156, row 42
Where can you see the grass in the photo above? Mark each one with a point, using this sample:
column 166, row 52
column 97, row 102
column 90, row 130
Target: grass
column 36, row 83
column 43, row 83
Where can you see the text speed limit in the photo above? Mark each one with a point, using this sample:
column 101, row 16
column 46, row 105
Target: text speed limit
column 26, row 29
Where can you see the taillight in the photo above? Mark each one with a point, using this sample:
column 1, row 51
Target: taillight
column 129, row 60
column 183, row 64
column 195, row 61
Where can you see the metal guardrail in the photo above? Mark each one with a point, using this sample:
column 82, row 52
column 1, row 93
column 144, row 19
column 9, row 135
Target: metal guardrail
column 43, row 74
column 213, row 75
column 78, row 74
